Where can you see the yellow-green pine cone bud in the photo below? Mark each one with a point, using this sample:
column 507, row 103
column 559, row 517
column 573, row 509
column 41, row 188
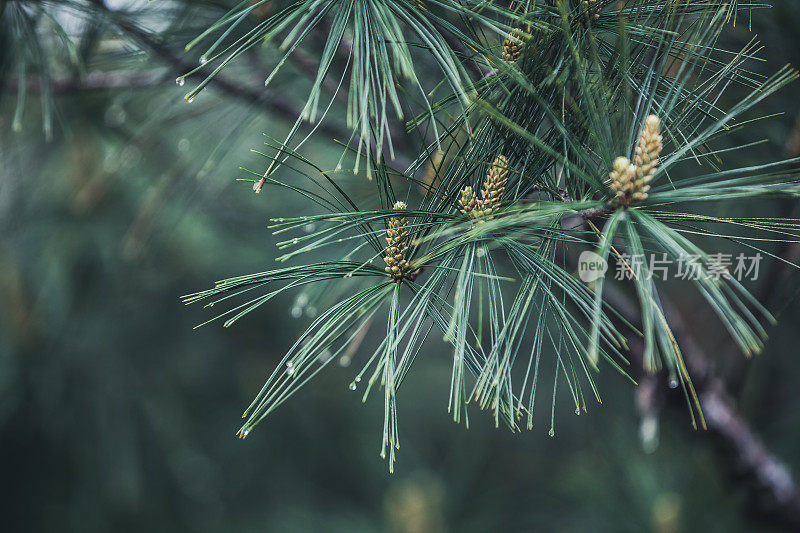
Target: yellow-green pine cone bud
column 649, row 148
column 468, row 201
column 397, row 244
column 622, row 180
column 494, row 185
column 631, row 181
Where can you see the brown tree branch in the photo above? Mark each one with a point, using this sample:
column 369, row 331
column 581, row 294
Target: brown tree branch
column 261, row 96
column 257, row 96
column 771, row 481
column 95, row 81
column 776, row 493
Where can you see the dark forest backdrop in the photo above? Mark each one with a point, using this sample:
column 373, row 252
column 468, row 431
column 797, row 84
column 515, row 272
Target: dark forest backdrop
column 116, row 416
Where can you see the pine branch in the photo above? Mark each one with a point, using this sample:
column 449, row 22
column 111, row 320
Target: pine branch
column 95, row 81
column 765, row 475
column 561, row 131
column 261, row 97
column 777, row 491
column 229, row 87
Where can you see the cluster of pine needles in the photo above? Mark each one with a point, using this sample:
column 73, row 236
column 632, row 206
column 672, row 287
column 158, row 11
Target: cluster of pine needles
column 592, row 125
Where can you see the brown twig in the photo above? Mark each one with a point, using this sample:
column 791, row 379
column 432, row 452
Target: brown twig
column 250, row 95
column 95, row 81
column 776, row 493
column 769, row 479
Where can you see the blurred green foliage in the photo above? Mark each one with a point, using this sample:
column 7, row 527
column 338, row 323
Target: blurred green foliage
column 116, row 416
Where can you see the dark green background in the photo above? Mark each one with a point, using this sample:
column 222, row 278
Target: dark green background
column 115, row 415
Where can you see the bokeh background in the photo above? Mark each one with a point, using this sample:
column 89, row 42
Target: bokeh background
column 116, row 415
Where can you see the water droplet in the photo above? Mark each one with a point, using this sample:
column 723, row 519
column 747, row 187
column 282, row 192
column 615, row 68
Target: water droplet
column 184, row 145
column 297, row 311
column 290, row 371
column 246, row 432
column 289, row 364
column 294, row 241
column 311, row 311
column 673, row 384
column 344, row 361
column 648, row 433
column 552, row 433
column 578, row 411
column 358, row 379
column 480, row 252
column 302, row 299
column 115, row 116
column 203, row 60
column 188, row 99
column 352, row 385
column 180, row 81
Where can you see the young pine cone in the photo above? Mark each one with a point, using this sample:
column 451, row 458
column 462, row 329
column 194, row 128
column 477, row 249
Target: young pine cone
column 397, row 244
column 623, row 181
column 631, row 181
column 649, row 147
column 512, row 47
column 468, row 201
column 493, row 186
